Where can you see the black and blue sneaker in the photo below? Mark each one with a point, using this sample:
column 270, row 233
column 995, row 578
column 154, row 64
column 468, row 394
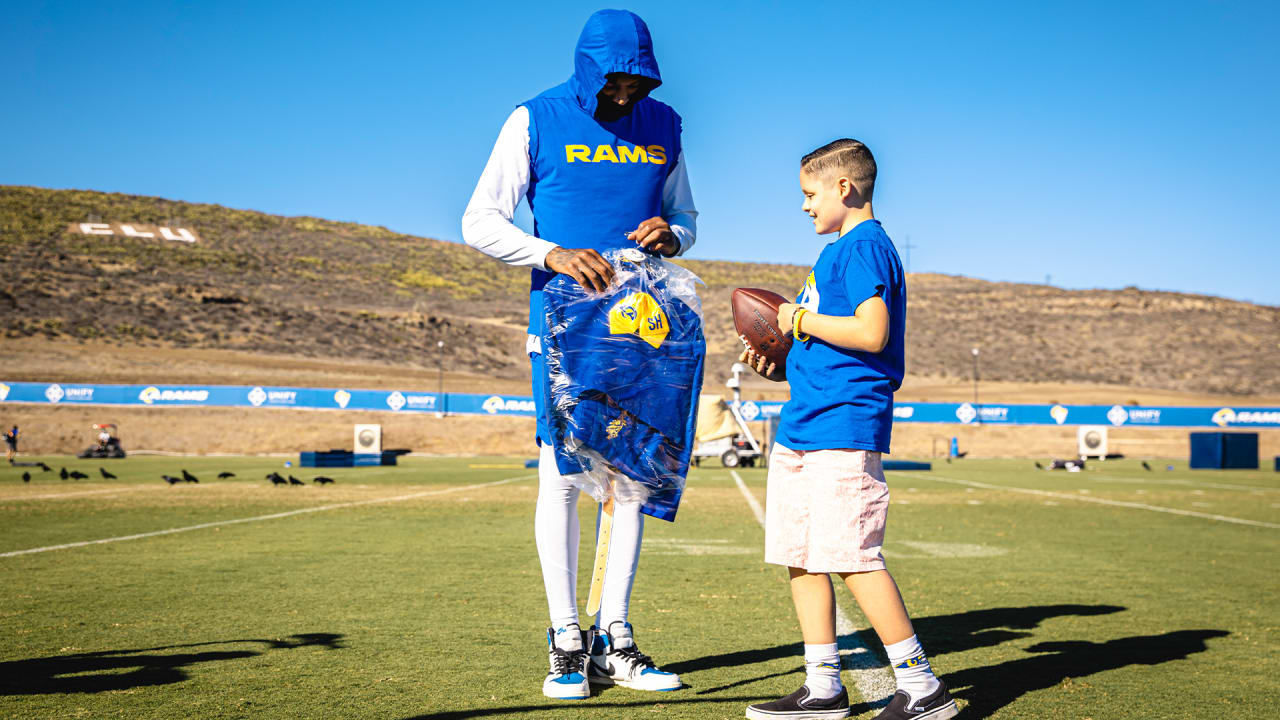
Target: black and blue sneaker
column 615, row 660
column 567, row 679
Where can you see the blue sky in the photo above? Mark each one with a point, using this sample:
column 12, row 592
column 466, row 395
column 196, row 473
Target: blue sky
column 1104, row 144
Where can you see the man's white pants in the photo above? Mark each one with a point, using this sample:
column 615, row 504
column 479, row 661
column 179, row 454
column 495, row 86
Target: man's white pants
column 556, row 530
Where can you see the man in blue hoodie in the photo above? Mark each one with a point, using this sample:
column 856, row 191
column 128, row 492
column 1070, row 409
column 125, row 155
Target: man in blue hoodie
column 601, row 166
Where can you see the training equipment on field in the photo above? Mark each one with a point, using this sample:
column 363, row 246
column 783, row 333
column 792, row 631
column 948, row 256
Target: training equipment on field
column 368, row 438
column 1224, row 451
column 1091, row 441
column 602, row 556
column 623, row 369
column 755, row 317
column 722, row 429
column 346, row 458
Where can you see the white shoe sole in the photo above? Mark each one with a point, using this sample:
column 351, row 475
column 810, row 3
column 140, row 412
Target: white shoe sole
column 573, row 696
column 946, row 712
column 599, row 679
column 755, row 714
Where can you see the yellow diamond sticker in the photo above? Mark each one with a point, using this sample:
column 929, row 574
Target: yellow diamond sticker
column 639, row 314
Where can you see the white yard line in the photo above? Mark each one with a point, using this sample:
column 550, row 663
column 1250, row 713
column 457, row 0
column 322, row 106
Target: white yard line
column 59, row 496
column 1183, row 483
column 1100, row 501
column 273, row 516
column 872, row 678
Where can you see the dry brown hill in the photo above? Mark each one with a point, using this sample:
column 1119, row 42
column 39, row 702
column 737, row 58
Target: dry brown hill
column 315, row 288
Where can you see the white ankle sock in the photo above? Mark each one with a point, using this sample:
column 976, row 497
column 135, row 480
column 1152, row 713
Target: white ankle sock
column 822, row 671
column 911, row 668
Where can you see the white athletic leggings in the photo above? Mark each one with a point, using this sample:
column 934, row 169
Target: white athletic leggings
column 556, row 529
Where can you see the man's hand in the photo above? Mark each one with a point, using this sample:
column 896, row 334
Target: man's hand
column 655, row 236
column 787, row 317
column 586, row 266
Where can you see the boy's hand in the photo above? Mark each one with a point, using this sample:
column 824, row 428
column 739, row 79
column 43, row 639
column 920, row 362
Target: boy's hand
column 756, row 361
column 586, row 266
column 787, row 317
column 655, row 235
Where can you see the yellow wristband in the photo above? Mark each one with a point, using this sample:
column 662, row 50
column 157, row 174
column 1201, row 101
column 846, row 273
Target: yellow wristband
column 795, row 325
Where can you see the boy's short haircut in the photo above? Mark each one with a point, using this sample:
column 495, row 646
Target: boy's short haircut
column 844, row 157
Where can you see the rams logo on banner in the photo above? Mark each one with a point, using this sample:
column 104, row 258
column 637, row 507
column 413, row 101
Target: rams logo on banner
column 639, row 314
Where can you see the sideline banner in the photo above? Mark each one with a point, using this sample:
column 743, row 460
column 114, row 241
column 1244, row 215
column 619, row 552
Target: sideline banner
column 408, row 401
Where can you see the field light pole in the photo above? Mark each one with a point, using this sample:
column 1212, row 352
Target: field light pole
column 975, row 378
column 444, row 405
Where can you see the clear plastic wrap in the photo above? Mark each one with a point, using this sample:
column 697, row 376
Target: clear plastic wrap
column 624, row 370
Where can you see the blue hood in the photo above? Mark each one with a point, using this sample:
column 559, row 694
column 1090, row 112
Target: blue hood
column 613, row 41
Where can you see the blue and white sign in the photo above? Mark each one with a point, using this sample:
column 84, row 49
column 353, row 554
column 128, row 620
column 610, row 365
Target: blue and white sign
column 412, row 401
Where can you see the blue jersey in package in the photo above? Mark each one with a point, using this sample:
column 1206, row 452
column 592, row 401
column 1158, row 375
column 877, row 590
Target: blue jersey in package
column 623, row 373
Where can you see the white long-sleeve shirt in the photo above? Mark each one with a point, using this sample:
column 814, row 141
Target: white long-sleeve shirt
column 487, row 223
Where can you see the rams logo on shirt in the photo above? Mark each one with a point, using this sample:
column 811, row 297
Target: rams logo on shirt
column 614, row 427
column 808, row 297
column 639, row 314
column 655, row 154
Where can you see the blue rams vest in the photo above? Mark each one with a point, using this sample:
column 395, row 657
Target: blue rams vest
column 593, row 182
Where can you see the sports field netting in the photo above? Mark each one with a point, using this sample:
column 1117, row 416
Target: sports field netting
column 414, row 592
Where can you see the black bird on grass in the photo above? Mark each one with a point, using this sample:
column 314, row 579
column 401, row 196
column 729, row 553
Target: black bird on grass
column 26, row 477
column 171, row 479
column 1146, row 465
column 189, row 477
column 78, row 475
column 63, row 474
column 225, row 475
column 43, row 467
column 294, row 481
column 106, row 475
column 1039, row 466
column 322, row 480
column 276, row 479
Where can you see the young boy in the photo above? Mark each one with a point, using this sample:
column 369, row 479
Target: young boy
column 827, row 499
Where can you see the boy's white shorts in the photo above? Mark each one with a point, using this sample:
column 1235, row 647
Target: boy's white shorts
column 825, row 510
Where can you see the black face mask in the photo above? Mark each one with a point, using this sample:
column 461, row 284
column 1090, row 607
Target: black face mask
column 608, row 111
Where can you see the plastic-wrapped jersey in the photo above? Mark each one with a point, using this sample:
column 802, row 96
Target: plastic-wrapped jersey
column 624, row 369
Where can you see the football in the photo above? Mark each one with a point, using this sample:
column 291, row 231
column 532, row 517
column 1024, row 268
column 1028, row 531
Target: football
column 755, row 316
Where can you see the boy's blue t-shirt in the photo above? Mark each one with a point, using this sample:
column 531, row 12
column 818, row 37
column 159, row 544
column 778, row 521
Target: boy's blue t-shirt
column 840, row 398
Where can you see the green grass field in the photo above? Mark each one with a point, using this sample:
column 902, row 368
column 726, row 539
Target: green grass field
column 414, row 592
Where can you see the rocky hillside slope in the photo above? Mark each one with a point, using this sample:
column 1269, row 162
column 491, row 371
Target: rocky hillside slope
column 317, row 288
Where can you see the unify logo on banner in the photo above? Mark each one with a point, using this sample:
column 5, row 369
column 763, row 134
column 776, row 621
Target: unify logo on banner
column 55, row 393
column 258, row 396
column 398, row 400
column 967, row 413
column 136, row 230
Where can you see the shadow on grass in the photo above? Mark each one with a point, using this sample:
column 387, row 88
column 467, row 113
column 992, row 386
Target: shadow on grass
column 939, row 634
column 992, row 687
column 123, row 669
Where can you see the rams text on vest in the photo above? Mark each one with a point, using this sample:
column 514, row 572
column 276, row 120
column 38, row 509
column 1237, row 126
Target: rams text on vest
column 655, row 154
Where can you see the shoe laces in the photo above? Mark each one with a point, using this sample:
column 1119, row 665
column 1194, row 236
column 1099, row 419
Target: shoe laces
column 633, row 654
column 565, row 662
